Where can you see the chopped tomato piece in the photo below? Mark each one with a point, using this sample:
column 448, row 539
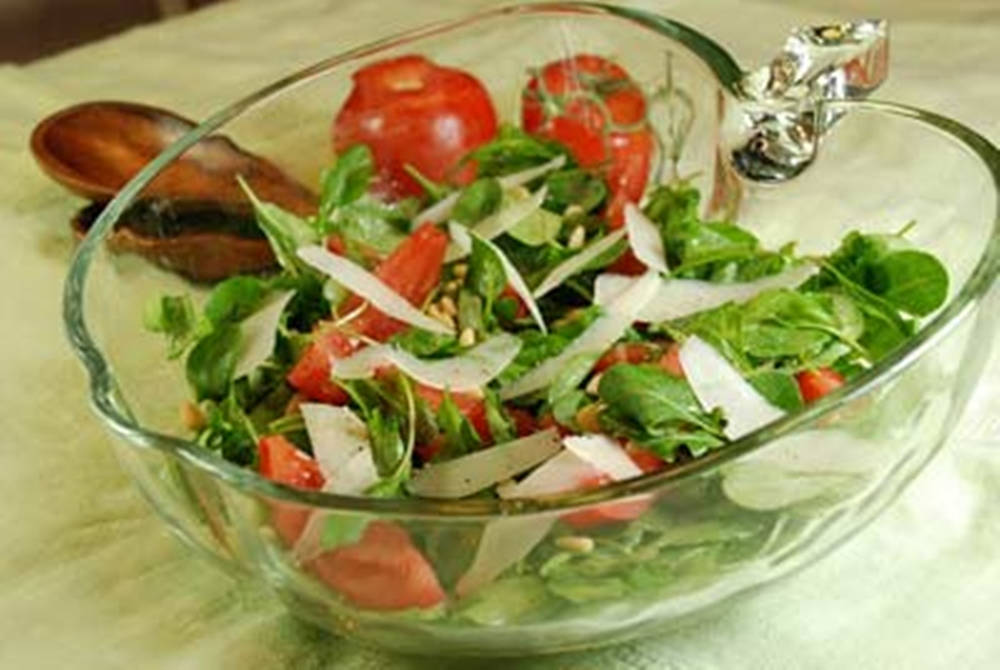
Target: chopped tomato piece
column 626, row 352
column 671, row 360
column 311, row 374
column 646, row 460
column 814, row 384
column 627, row 510
column 628, row 264
column 411, row 111
column 382, row 571
column 412, row 270
column 281, row 461
column 509, row 292
column 600, row 117
column 524, row 421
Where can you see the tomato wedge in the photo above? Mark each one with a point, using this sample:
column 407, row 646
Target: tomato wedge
column 412, row 270
column 311, row 374
column 627, row 510
column 382, row 571
column 667, row 358
column 411, row 111
column 281, row 461
column 814, row 384
column 601, row 118
column 470, row 405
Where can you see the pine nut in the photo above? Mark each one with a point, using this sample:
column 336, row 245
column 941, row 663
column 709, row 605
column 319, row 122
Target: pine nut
column 467, row 338
column 577, row 238
column 578, row 544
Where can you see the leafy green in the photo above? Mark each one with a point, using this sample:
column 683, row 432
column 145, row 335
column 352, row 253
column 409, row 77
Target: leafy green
column 581, row 188
column 539, row 227
column 426, row 344
column 175, row 317
column 537, row 346
column 513, row 150
column 506, row 601
column 229, row 431
column 459, row 435
column 285, row 231
column 651, row 398
column 388, row 448
column 779, row 388
column 342, row 529
column 368, row 224
column 211, row 362
column 486, row 273
column 234, row 299
column 470, row 312
column 477, row 201
column 346, row 180
column 913, row 281
column 501, row 426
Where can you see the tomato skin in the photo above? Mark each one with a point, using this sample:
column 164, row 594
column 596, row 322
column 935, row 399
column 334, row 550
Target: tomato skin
column 627, row 264
column 814, row 384
column 624, row 156
column 411, row 111
column 412, row 270
column 625, row 352
column 382, row 571
column 281, row 461
column 646, row 460
column 524, row 421
column 311, row 374
column 671, row 360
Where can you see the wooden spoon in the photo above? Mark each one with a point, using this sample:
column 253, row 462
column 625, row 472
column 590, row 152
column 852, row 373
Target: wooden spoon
column 95, row 148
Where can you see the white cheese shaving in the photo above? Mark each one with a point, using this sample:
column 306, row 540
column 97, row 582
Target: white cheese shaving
column 258, row 332
column 676, row 298
column 341, row 446
column 471, row 370
column 597, row 338
column 645, row 239
column 474, row 472
column 577, row 262
column 716, row 383
column 604, row 454
column 503, row 543
column 358, row 280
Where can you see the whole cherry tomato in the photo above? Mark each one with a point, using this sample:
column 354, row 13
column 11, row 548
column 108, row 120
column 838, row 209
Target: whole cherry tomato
column 592, row 106
column 411, row 111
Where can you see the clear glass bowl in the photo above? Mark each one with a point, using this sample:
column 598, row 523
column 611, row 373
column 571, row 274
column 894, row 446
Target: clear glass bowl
column 738, row 518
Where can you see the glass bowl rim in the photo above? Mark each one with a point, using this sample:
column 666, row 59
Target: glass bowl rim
column 103, row 387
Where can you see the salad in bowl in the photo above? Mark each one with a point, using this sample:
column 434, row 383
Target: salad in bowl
column 521, row 379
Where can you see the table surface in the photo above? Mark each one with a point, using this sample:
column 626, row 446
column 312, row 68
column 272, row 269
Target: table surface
column 90, row 578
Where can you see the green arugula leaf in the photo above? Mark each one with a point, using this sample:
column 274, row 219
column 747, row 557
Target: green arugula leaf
column 477, row 201
column 388, row 448
column 779, row 388
column 211, row 362
column 470, row 312
column 229, row 431
column 285, row 231
column 175, row 317
column 571, row 187
column 347, row 180
column 502, row 428
column 235, row 298
column 910, row 280
column 506, row 601
column 459, row 435
column 426, row 344
column 539, row 227
column 513, row 150
column 650, row 397
column 486, row 273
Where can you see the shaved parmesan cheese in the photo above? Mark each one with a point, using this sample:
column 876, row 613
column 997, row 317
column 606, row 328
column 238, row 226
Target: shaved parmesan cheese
column 716, row 383
column 564, row 472
column 604, row 454
column 645, row 240
column 340, row 443
column 676, row 298
column 471, row 370
column 503, row 543
column 469, row 474
column 358, row 280
column 259, row 331
column 526, row 176
column 577, row 262
column 439, row 211
column 601, row 334
column 463, row 239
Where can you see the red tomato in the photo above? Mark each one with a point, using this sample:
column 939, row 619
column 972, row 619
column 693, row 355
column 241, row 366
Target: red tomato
column 623, row 151
column 524, row 421
column 410, row 111
column 311, row 374
column 522, row 309
column 627, row 510
column 382, row 571
column 625, row 352
column 279, row 460
column 628, row 264
column 645, row 459
column 671, row 360
column 814, row 384
column 412, row 270
column 469, row 404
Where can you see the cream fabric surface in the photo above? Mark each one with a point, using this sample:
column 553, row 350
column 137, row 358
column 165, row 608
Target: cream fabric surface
column 90, row 579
